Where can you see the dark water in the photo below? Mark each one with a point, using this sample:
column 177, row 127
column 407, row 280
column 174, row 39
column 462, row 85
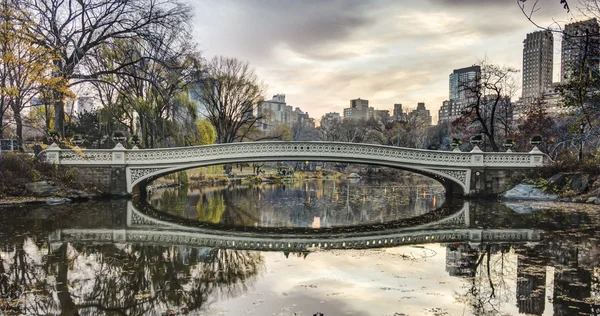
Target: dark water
column 470, row 258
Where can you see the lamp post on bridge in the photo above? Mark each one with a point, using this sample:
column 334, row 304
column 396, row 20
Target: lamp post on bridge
column 77, row 141
column 135, row 141
column 509, row 144
column 455, row 144
column 476, row 140
column 118, row 137
column 535, row 140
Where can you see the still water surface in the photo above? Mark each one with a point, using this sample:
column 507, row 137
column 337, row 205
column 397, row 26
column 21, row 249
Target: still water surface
column 255, row 251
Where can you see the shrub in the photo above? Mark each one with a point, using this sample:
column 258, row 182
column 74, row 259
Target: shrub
column 17, row 169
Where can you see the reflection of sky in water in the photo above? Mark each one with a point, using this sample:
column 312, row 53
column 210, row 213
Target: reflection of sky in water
column 556, row 275
column 313, row 203
column 410, row 280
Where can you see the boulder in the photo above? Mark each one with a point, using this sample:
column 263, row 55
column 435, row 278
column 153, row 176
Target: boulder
column 42, row 188
column 591, row 200
column 57, row 201
column 77, row 194
column 580, row 182
column 528, row 192
column 558, row 180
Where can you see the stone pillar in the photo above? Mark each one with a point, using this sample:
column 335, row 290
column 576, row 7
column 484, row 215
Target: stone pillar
column 118, row 183
column 118, row 155
column 537, row 157
column 53, row 154
column 477, row 184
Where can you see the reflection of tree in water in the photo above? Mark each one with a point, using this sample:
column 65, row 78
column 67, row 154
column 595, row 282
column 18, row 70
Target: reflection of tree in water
column 300, row 203
column 24, row 288
column 122, row 279
column 210, row 210
column 173, row 200
column 488, row 270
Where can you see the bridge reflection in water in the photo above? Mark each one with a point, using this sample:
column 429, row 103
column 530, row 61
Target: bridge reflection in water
column 142, row 228
column 138, row 264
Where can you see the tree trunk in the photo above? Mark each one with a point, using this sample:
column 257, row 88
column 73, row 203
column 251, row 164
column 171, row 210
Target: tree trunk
column 67, row 305
column 59, row 113
column 47, row 119
column 1, row 123
column 19, row 126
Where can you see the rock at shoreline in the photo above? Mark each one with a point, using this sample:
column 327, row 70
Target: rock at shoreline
column 558, row 180
column 42, row 188
column 580, row 182
column 528, row 192
column 591, row 200
column 57, row 201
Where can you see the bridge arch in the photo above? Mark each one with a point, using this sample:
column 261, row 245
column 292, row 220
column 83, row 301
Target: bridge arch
column 453, row 180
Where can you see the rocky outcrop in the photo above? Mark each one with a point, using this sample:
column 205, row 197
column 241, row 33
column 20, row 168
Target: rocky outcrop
column 558, row 180
column 579, row 182
column 528, row 192
column 42, row 188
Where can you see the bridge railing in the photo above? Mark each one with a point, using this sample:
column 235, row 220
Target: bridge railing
column 293, row 150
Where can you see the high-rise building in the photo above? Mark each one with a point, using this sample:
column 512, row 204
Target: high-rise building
column 420, row 115
column 580, row 43
column 537, row 64
column 449, row 111
column 331, row 116
column 381, row 115
column 399, row 115
column 276, row 112
column 359, row 110
column 460, row 82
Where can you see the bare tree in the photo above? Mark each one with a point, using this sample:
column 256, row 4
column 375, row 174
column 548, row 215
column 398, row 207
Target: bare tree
column 489, row 100
column 228, row 92
column 72, row 29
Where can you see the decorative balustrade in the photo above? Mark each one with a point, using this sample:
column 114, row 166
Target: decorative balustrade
column 266, row 243
column 291, row 151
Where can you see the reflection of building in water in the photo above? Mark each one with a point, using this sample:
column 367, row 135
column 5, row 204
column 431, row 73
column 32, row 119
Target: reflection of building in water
column 571, row 289
column 573, row 279
column 531, row 283
column 461, row 260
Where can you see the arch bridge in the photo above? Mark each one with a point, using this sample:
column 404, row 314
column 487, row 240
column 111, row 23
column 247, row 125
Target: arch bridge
column 143, row 228
column 461, row 173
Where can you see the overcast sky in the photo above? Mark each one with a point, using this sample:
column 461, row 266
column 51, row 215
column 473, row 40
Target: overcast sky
column 322, row 53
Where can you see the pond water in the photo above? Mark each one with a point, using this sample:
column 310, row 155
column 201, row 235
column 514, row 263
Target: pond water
column 309, row 203
column 355, row 249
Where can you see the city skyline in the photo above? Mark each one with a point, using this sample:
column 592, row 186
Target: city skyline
column 324, row 54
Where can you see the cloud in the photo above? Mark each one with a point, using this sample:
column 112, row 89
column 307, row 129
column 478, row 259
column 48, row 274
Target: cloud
column 303, row 26
column 321, row 54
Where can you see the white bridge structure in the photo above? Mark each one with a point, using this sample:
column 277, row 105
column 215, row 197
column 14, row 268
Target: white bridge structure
column 144, row 229
column 462, row 173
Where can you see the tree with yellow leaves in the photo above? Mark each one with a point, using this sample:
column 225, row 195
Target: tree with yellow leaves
column 25, row 67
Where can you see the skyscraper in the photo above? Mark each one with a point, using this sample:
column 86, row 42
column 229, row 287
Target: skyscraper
column 460, row 81
column 398, row 113
column 460, row 95
column 420, row 115
column 537, row 64
column 359, row 110
column 580, row 44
